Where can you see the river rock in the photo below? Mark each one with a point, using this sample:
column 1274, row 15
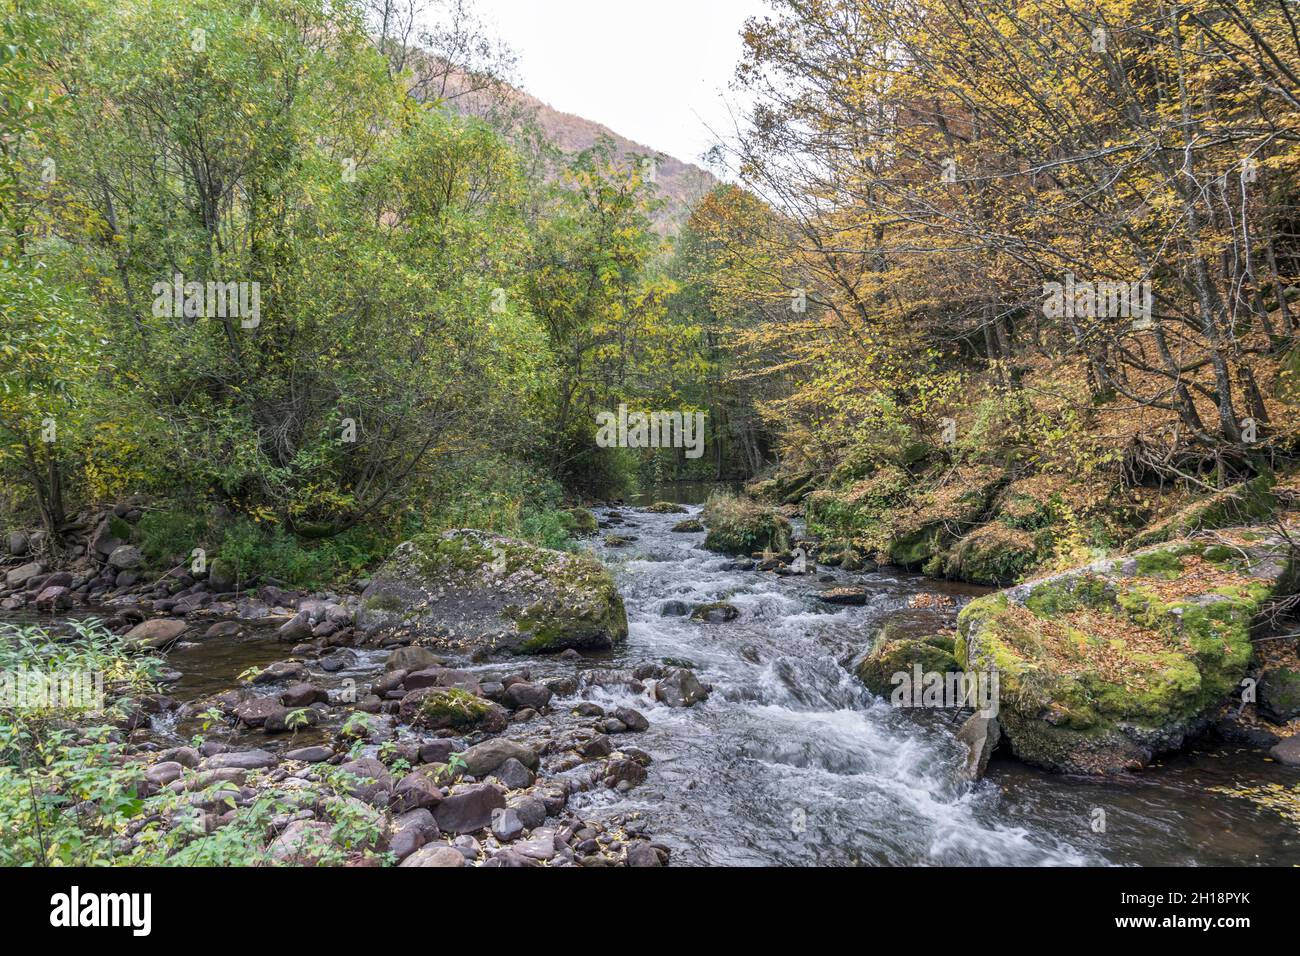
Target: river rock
column 17, row 543
column 506, row 825
column 316, row 754
column 716, row 613
column 441, row 855
column 845, row 595
column 302, row 842
column 679, row 688
column 523, row 694
column 19, row 576
column 1177, row 630
column 126, row 557
column 156, row 633
column 469, row 809
column 241, row 760
column 481, row 759
column 417, row 790
column 981, row 736
column 367, row 779
column 1287, row 751
column 479, row 592
column 1279, row 694
column 633, row 720
column 513, row 775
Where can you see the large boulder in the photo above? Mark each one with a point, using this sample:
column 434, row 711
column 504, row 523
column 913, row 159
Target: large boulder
column 1105, row 666
column 470, row 590
column 880, row 668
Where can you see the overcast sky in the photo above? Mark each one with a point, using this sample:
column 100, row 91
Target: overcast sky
column 655, row 71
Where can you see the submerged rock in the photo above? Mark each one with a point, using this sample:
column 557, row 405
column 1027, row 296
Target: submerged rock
column 1105, row 666
column 475, row 591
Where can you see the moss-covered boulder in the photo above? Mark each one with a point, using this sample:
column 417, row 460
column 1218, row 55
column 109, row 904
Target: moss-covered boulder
column 1279, row 694
column 743, row 526
column 474, row 591
column 666, row 508
column 581, row 522
column 1241, row 504
column 1103, row 667
column 991, row 554
column 888, row 658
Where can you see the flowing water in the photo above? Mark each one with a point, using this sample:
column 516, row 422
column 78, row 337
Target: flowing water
column 792, row 761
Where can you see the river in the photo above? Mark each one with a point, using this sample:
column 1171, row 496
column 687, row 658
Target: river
column 791, row 761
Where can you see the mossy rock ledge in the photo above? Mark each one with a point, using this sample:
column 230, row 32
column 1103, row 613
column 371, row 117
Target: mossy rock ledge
column 1105, row 666
column 474, row 591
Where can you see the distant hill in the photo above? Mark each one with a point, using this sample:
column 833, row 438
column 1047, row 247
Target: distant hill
column 680, row 184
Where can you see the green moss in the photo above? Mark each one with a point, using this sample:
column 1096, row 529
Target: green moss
column 581, row 521
column 453, row 706
column 888, row 658
column 1164, row 564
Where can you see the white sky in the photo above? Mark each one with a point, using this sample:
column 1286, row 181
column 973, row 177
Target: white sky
column 655, row 71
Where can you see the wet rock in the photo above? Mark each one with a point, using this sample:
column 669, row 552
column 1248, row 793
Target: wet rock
column 981, row 736
column 469, row 808
column 624, row 774
column 295, row 719
column 679, row 688
column 304, row 695
column 337, row 660
column 185, row 756
column 633, row 720
column 296, row 629
column 588, row 709
column 849, row 596
column 158, row 633
column 438, row 751
column 716, row 613
column 56, row 598
column 1287, row 751
column 521, row 694
column 531, row 810
column 223, row 629
column 666, row 508
column 281, row 671
column 439, row 708
column 641, row 853
column 256, row 711
column 598, row 746
column 689, row 526
column 412, row 659
column 674, row 609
